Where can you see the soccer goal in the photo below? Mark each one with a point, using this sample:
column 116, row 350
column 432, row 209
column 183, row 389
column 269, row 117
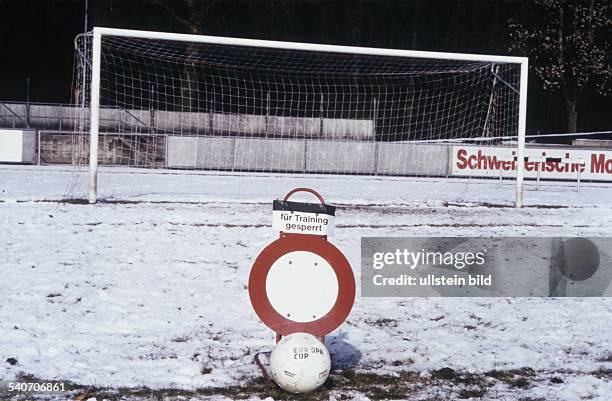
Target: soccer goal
column 176, row 101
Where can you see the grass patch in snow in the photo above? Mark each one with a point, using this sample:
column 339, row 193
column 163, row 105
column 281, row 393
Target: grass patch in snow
column 342, row 385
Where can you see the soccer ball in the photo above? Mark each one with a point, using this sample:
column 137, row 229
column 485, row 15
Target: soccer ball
column 300, row 363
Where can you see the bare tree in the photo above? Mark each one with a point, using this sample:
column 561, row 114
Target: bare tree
column 188, row 13
column 569, row 47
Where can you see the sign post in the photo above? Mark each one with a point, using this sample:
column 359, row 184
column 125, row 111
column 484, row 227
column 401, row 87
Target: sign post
column 301, row 282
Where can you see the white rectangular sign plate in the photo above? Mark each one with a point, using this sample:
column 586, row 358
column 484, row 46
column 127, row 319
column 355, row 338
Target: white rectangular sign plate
column 11, row 142
column 303, row 218
column 302, row 223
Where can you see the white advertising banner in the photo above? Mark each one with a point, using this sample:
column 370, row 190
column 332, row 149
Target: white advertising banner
column 489, row 161
column 11, row 146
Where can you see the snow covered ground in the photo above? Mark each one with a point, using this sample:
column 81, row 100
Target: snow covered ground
column 148, row 287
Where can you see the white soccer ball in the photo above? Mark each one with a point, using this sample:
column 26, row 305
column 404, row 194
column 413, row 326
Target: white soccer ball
column 300, row 363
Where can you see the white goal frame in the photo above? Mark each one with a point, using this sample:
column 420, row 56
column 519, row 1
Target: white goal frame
column 98, row 32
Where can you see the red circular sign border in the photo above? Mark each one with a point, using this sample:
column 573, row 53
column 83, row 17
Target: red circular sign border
column 309, row 243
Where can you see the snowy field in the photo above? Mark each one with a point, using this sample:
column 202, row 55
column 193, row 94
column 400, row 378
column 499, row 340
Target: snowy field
column 144, row 294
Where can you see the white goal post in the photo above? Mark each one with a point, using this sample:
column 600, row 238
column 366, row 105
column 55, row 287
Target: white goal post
column 199, row 92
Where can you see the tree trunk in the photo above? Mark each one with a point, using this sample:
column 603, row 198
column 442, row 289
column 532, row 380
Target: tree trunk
column 572, row 116
column 189, row 80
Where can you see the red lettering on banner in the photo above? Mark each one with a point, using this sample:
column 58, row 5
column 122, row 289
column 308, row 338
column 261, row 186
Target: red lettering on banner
column 482, row 160
column 462, row 163
column 493, row 163
column 600, row 165
column 471, row 161
column 577, row 167
column 550, row 163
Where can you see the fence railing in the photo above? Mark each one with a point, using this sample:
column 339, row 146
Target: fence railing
column 63, row 117
column 51, row 116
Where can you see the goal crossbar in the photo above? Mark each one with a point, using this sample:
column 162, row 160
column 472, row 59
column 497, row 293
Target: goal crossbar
column 372, row 51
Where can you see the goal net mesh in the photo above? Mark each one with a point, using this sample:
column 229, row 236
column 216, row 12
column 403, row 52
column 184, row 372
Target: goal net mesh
column 188, row 105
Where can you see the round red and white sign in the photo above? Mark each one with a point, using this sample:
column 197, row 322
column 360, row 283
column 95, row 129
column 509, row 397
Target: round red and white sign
column 302, row 283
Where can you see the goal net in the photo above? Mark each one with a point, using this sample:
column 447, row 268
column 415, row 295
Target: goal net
column 173, row 101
